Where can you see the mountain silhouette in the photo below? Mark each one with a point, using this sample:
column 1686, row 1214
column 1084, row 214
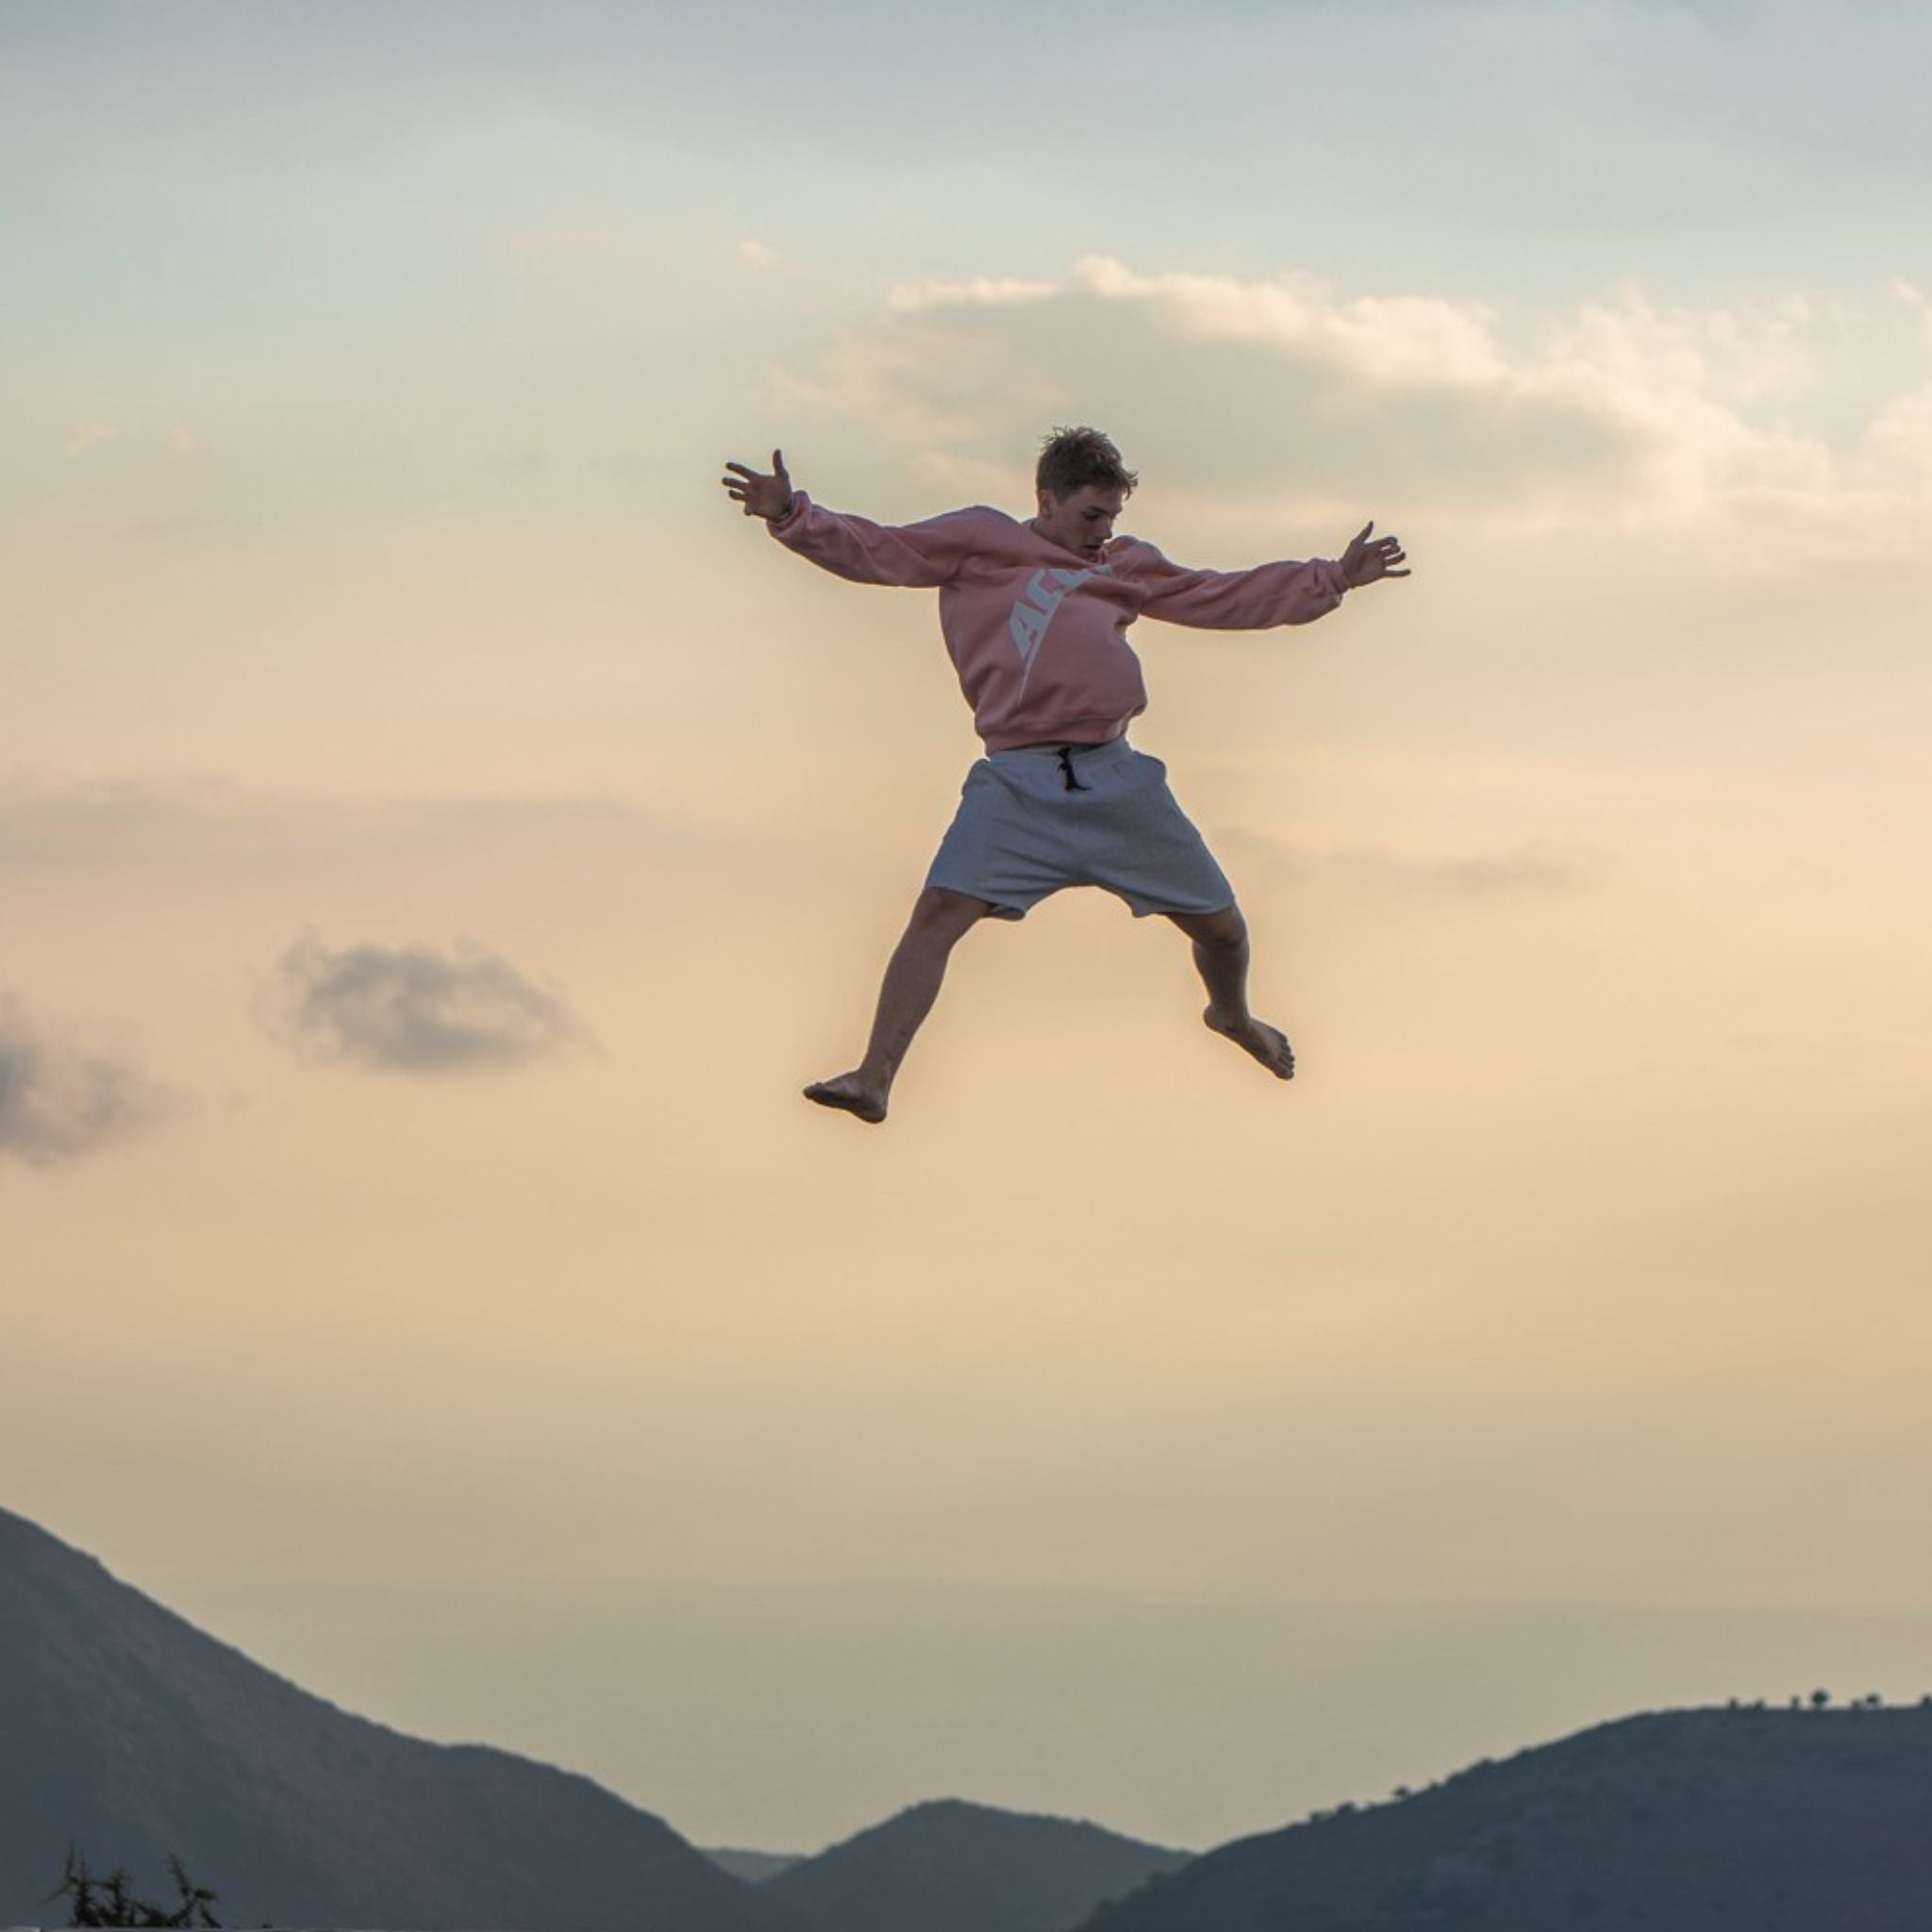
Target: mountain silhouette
column 1743, row 1820
column 129, row 1732
column 953, row 1867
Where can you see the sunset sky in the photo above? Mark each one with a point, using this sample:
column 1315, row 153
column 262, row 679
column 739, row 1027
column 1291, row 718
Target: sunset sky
column 438, row 835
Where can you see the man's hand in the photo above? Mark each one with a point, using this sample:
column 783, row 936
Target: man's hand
column 1364, row 562
column 762, row 496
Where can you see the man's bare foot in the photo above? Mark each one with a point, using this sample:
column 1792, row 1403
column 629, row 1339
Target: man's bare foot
column 1257, row 1037
column 849, row 1093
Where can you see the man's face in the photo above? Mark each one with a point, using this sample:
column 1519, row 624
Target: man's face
column 1082, row 521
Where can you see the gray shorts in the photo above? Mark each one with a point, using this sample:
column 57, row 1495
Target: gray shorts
column 1021, row 833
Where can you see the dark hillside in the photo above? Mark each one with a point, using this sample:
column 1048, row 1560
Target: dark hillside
column 127, row 1731
column 951, row 1867
column 1698, row 1821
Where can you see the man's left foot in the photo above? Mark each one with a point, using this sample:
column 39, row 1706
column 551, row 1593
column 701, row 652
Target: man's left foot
column 1265, row 1043
column 850, row 1094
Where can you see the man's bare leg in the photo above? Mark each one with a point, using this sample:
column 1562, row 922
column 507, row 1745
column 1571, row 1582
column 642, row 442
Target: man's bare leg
column 1220, row 954
column 913, row 975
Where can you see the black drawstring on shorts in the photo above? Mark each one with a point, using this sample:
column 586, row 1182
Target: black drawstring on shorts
column 1067, row 770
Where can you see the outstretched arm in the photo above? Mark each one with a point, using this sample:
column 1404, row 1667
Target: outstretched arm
column 915, row 555
column 1257, row 599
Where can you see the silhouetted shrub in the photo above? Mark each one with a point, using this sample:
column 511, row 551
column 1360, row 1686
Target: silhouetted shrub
column 111, row 1901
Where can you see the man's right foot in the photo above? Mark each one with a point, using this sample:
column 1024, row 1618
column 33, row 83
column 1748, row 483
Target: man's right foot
column 850, row 1094
column 1268, row 1044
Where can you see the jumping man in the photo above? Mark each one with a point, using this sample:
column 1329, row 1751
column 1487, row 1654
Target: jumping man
column 1035, row 617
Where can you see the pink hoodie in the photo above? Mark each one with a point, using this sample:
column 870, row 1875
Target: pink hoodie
column 1038, row 637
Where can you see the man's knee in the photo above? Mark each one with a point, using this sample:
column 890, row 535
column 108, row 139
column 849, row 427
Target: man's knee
column 940, row 914
column 1226, row 931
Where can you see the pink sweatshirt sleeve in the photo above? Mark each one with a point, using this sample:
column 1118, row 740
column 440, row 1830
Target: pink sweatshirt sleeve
column 1257, row 599
column 915, row 555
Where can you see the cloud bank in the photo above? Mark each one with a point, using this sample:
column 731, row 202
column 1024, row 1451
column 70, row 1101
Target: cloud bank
column 1796, row 420
column 59, row 1102
column 413, row 1010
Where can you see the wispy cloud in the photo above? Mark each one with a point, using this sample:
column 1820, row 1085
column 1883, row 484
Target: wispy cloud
column 411, row 1010
column 756, row 253
column 1915, row 300
column 94, row 433
column 84, row 436
column 57, row 821
column 288, row 845
column 981, row 292
column 1532, row 869
column 60, row 1100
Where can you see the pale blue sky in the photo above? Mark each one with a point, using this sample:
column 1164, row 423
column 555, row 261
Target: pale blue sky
column 1474, row 149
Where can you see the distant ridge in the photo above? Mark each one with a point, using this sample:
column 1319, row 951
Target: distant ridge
column 752, row 1867
column 128, row 1731
column 953, row 1867
column 1743, row 1820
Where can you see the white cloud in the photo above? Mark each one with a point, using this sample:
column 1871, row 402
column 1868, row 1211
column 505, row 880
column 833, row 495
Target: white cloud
column 1395, row 340
column 756, row 253
column 1900, row 438
column 1706, row 425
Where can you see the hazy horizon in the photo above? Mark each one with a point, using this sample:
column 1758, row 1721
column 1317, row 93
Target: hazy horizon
column 439, row 837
